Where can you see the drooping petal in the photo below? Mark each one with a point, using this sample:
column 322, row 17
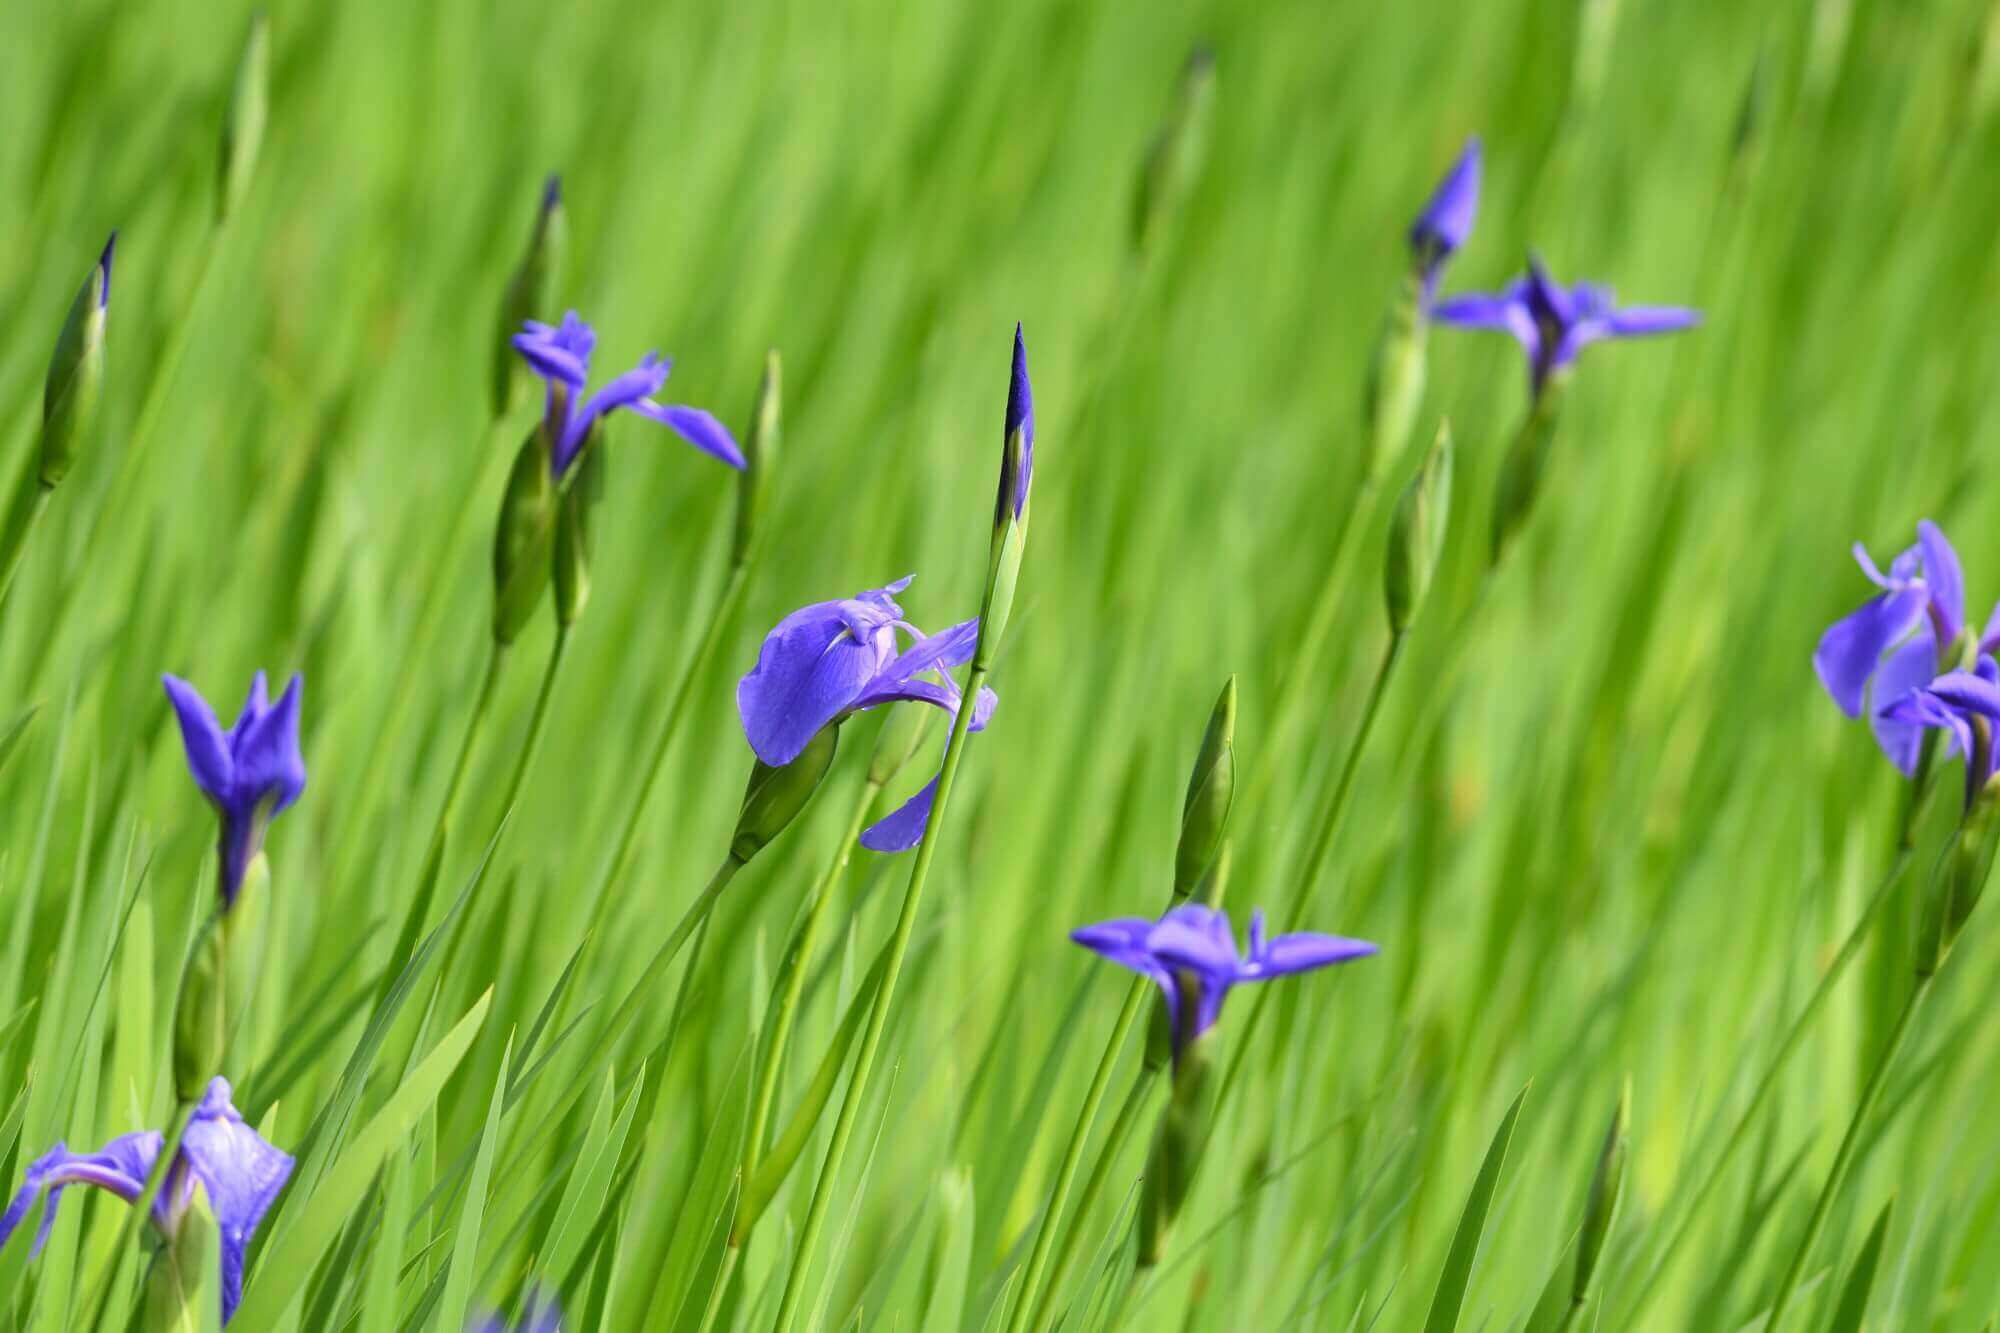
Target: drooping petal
column 120, row 1168
column 642, row 381
column 1122, row 940
column 1969, row 692
column 1946, row 580
column 1851, row 649
column 902, row 828
column 240, row 1173
column 808, row 672
column 207, row 750
column 698, row 428
column 1302, row 952
column 269, row 766
column 1910, row 667
column 1639, row 321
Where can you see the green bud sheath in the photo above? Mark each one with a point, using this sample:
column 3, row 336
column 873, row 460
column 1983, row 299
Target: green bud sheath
column 896, row 743
column 1170, row 1166
column 243, row 125
column 1003, row 563
column 1960, row 879
column 1607, row 1189
column 760, row 454
column 76, row 375
column 576, row 534
column 1211, row 790
column 1213, row 884
column 531, row 294
column 1417, row 532
column 524, row 543
column 1395, row 387
column 775, row 796
column 1527, row 458
column 183, row 1276
column 201, row 1016
column 1174, row 162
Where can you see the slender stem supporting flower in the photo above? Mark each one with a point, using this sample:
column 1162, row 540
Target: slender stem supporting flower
column 1072, row 1157
column 878, row 1014
column 29, row 502
column 538, row 722
column 1107, row 1156
column 1739, row 1132
column 795, row 979
column 1844, row 1158
column 718, row 622
column 141, row 1209
column 696, row 914
column 730, row 1258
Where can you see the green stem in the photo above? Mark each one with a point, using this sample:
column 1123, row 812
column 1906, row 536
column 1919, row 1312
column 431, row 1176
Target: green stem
column 730, row 1257
column 28, row 505
column 878, row 1014
column 718, row 622
column 1766, row 1085
column 794, row 987
column 538, row 722
column 141, row 1209
column 696, row 914
column 1844, row 1158
column 1072, row 1156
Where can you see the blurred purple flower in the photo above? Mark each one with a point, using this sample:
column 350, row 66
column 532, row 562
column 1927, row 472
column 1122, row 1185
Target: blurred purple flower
column 1966, row 705
column 828, row 660
column 1553, row 322
column 249, row 773
column 1446, row 222
column 540, row 1314
column 236, row 1169
column 1191, row 954
column 560, row 354
column 1899, row 640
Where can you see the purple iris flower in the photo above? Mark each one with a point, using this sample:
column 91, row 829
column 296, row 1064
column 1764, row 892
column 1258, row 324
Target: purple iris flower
column 1899, row 640
column 560, row 354
column 238, row 1172
column 1191, row 953
column 249, row 773
column 1553, row 322
column 1966, row 705
column 828, row 660
column 1021, row 417
column 541, row 1314
column 1446, row 222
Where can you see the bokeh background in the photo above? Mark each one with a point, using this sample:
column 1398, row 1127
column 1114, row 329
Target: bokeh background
column 1608, row 824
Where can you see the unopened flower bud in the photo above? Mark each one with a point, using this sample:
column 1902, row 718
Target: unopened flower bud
column 576, row 535
column 1416, row 534
column 1010, row 509
column 531, row 293
column 1960, row 879
column 76, row 373
column 524, row 543
column 1395, row 385
column 1211, row 790
column 775, row 796
column 243, row 124
column 201, row 1015
column 1527, row 458
column 1174, row 162
column 760, row 454
column 1170, row 1165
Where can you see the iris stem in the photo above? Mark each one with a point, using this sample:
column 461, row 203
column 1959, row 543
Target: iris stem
column 1766, row 1085
column 1073, row 1158
column 696, row 914
column 719, row 620
column 538, row 722
column 141, row 1209
column 878, row 1014
column 1844, row 1158
column 794, row 987
column 30, row 499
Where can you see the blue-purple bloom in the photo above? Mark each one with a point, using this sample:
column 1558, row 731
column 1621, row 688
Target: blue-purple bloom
column 560, row 354
column 249, row 773
column 1190, row 953
column 1446, row 222
column 1966, row 705
column 1899, row 640
column 1553, row 322
column 1021, row 417
column 830, row 659
column 540, row 1314
column 236, row 1169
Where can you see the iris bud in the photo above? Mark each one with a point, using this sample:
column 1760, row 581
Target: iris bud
column 1170, row 1165
column 530, row 294
column 1010, row 510
column 775, row 796
column 1607, row 1188
column 1174, row 162
column 182, row 1291
column 576, row 535
column 1395, row 386
column 1527, row 458
column 896, row 743
column 760, row 452
column 243, row 126
column 201, row 1017
column 1416, row 534
column 76, row 373
column 524, row 543
column 1211, row 790
column 1960, row 880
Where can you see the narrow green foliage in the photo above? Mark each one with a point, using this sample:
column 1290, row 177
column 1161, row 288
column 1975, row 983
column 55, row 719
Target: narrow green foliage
column 1417, row 533
column 1449, row 1298
column 524, row 541
column 1395, row 384
column 760, row 458
column 531, row 293
column 1211, row 791
column 1852, row 1308
column 74, row 383
column 243, row 123
column 1600, row 1209
column 1174, row 163
column 457, row 1300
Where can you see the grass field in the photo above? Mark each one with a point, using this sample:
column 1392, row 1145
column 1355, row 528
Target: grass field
column 1606, row 825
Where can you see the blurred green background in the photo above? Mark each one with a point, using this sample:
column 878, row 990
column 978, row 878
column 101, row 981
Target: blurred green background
column 1608, row 823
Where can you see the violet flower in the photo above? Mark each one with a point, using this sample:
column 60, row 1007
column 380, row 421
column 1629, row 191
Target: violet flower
column 1021, row 417
column 540, row 1314
column 560, row 354
column 1553, row 322
column 236, row 1169
column 1191, row 954
column 1900, row 640
column 250, row 773
column 1446, row 222
column 826, row 661
column 1966, row 705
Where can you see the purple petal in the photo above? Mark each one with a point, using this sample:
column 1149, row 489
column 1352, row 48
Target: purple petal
column 902, row 828
column 697, row 427
column 1502, row 314
column 642, row 381
column 1851, row 649
column 1304, row 951
column 207, row 751
column 254, row 707
column 1910, row 667
column 808, row 672
column 120, row 1168
column 269, row 766
column 1546, row 299
column 1021, row 417
column 241, row 1175
column 1446, row 221
column 1945, row 579
column 1969, row 692
column 1197, row 938
column 1638, row 321
column 1123, row 941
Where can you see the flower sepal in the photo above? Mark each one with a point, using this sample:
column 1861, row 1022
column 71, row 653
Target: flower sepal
column 774, row 796
column 1170, row 1164
column 524, row 542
